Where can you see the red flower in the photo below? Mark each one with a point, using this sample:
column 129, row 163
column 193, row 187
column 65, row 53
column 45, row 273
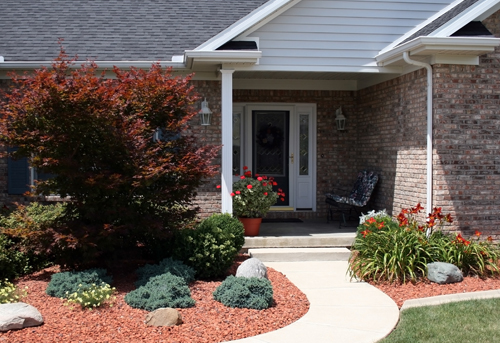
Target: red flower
column 218, row 186
column 265, row 193
column 259, row 179
column 248, row 173
column 232, row 194
column 275, row 183
column 365, row 233
column 264, row 184
column 282, row 199
column 238, row 192
column 417, row 209
column 489, row 239
column 371, row 220
column 245, row 168
column 381, row 225
column 249, row 186
column 242, row 177
column 256, row 175
column 477, row 233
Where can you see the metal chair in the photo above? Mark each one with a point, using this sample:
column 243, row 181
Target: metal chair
column 357, row 198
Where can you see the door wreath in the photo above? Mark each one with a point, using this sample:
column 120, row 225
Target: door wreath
column 270, row 137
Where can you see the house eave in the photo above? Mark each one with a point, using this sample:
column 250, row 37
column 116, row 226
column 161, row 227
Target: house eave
column 31, row 65
column 442, row 49
column 223, row 57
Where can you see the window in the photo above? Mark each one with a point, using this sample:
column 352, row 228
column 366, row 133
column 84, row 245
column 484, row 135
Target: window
column 21, row 176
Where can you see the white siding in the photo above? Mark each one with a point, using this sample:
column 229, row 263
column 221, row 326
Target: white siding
column 338, row 35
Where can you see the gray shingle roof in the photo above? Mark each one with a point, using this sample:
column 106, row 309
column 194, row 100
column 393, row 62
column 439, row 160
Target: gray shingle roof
column 113, row 30
column 443, row 19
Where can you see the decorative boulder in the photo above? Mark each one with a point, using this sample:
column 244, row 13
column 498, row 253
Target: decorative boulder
column 252, row 267
column 442, row 272
column 18, row 316
column 164, row 317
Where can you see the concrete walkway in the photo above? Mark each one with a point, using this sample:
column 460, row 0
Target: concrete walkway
column 340, row 310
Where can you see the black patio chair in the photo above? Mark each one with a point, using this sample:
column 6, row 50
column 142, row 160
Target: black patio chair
column 355, row 200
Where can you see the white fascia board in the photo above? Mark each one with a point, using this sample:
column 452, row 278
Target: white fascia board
column 471, row 14
column 224, row 56
column 269, row 9
column 427, row 45
column 326, row 69
column 420, row 26
column 29, row 65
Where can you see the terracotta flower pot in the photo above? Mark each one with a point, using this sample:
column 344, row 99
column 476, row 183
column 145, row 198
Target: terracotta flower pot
column 251, row 225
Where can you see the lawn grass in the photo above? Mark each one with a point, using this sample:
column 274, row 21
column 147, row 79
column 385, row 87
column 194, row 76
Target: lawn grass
column 473, row 321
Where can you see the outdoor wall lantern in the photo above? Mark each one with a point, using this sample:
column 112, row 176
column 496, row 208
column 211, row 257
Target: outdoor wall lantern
column 205, row 113
column 339, row 119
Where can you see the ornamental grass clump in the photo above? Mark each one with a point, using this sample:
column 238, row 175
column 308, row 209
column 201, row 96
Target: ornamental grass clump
column 253, row 196
column 399, row 250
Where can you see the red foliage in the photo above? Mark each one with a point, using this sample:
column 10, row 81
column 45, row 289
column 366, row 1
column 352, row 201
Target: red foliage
column 118, row 147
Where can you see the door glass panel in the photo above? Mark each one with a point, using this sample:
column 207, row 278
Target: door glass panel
column 270, row 148
column 304, row 145
column 236, row 143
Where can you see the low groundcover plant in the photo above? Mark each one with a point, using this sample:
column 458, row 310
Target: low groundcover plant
column 399, row 250
column 10, row 293
column 92, row 296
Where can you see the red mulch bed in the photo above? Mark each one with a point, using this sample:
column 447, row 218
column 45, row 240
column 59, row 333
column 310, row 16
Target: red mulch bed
column 424, row 289
column 207, row 321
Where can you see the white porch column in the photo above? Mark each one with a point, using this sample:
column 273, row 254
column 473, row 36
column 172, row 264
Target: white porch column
column 227, row 140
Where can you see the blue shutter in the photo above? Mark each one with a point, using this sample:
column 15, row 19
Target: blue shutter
column 18, row 175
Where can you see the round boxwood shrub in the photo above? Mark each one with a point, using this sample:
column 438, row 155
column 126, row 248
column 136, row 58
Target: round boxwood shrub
column 167, row 265
column 212, row 246
column 63, row 284
column 165, row 290
column 242, row 292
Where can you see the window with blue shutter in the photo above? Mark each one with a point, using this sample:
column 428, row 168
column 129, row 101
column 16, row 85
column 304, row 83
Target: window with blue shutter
column 18, row 175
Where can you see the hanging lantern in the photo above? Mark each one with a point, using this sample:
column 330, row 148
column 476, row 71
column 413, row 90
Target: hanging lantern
column 339, row 119
column 205, row 113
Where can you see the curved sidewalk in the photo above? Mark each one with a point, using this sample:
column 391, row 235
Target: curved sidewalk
column 340, row 311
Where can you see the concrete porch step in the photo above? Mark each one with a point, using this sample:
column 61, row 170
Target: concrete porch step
column 300, row 254
column 317, row 241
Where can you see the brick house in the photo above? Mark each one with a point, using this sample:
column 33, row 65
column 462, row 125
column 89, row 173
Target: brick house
column 418, row 83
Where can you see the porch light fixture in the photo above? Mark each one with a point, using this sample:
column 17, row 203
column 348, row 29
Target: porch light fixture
column 205, row 113
column 339, row 119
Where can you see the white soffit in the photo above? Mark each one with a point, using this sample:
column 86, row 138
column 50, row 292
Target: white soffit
column 256, row 18
column 468, row 48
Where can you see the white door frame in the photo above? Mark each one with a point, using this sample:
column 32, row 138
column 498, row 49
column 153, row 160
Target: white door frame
column 298, row 182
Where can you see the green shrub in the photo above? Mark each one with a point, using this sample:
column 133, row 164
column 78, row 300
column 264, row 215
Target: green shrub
column 167, row 265
column 397, row 251
column 30, row 230
column 165, row 290
column 13, row 263
column 93, row 296
column 242, row 292
column 63, row 284
column 211, row 247
column 9, row 293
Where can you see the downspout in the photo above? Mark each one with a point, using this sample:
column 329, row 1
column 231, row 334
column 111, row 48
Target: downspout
column 429, row 126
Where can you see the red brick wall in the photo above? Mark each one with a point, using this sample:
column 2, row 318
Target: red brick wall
column 392, row 139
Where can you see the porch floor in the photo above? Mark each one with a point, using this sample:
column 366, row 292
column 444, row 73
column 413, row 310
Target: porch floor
column 308, row 227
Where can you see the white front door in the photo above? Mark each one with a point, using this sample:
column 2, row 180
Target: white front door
column 278, row 140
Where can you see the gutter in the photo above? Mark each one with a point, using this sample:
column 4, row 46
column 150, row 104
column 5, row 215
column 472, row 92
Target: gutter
column 27, row 65
column 407, row 59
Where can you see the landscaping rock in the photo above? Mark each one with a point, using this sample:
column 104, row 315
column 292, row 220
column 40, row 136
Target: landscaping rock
column 164, row 317
column 441, row 272
column 252, row 267
column 18, row 316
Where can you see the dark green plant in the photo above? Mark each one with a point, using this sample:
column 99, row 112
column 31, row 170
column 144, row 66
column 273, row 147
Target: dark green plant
column 13, row 263
column 165, row 290
column 63, row 284
column 212, row 246
column 242, row 292
column 397, row 251
column 168, row 265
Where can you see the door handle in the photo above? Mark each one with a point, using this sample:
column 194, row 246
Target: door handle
column 291, row 157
